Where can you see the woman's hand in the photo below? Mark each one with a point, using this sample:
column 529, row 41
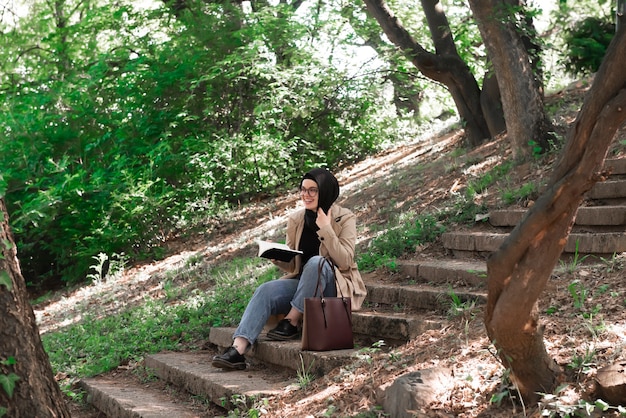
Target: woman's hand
column 323, row 219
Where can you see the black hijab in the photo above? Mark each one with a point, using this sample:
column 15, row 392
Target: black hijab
column 328, row 192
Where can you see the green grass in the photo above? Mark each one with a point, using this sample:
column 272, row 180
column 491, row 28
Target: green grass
column 403, row 237
column 100, row 343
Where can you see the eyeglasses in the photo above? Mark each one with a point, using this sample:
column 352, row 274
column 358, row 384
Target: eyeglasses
column 312, row 192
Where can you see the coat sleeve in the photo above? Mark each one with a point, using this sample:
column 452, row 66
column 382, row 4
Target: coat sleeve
column 339, row 240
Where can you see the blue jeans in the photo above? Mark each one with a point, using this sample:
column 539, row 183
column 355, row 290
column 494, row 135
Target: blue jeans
column 279, row 296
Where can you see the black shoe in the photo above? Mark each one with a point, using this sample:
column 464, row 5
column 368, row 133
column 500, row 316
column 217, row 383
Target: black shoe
column 284, row 331
column 231, row 360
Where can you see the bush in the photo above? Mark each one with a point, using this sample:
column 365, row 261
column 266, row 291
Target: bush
column 586, row 44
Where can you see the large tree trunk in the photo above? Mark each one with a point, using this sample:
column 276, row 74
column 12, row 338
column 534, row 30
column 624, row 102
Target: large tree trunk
column 520, row 90
column 23, row 360
column 519, row 270
column 446, row 66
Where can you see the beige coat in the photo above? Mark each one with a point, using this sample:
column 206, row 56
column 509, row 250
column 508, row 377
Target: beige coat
column 337, row 242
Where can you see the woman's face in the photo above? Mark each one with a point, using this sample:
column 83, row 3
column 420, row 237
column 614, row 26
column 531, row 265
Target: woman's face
column 309, row 193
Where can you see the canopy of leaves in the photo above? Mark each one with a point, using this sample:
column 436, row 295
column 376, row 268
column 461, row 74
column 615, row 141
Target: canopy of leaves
column 121, row 126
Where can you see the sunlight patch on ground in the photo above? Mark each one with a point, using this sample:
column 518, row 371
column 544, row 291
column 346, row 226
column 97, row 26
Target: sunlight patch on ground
column 107, row 297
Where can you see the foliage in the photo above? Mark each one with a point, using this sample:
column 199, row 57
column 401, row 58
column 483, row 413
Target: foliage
column 557, row 405
column 586, row 44
column 397, row 240
column 245, row 406
column 129, row 125
column 7, row 382
column 480, row 185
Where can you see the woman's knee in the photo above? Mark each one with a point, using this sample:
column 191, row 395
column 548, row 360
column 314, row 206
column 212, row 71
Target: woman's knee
column 313, row 265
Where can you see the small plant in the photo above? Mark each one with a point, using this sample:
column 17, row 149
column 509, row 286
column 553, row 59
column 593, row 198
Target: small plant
column 106, row 266
column 366, row 354
column 579, row 294
column 552, row 405
column 245, row 406
column 458, row 306
column 482, row 183
column 552, row 310
column 305, row 377
column 526, row 191
column 583, row 363
column 505, row 390
column 614, row 263
column 536, row 148
column 575, row 262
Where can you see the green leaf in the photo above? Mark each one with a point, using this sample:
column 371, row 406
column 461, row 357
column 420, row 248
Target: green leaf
column 8, row 383
column 602, row 405
column 9, row 362
column 5, row 279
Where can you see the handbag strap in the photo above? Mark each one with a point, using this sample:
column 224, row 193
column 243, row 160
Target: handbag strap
column 318, row 287
column 320, row 266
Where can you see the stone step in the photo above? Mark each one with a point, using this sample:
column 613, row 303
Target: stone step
column 446, row 271
column 393, row 327
column 616, row 165
column 420, row 297
column 610, row 189
column 193, row 372
column 584, row 243
column 120, row 399
column 286, row 354
column 587, row 215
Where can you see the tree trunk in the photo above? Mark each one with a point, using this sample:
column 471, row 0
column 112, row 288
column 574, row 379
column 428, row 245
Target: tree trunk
column 491, row 104
column 23, row 361
column 445, row 66
column 518, row 271
column 620, row 13
column 520, row 90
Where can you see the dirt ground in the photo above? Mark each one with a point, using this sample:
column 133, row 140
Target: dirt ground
column 581, row 335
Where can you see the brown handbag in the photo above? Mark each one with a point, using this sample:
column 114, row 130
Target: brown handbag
column 327, row 323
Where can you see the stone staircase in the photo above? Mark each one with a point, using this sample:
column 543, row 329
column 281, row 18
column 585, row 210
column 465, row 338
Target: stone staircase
column 395, row 313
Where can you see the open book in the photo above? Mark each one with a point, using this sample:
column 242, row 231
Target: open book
column 276, row 251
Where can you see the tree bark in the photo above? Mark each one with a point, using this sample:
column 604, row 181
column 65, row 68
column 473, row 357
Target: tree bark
column 518, row 271
column 520, row 90
column 445, row 66
column 23, row 360
column 491, row 104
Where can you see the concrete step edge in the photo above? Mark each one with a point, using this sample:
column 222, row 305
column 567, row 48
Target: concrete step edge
column 609, row 189
column 394, row 327
column 420, row 297
column 583, row 243
column 616, row 165
column 193, row 372
column 610, row 215
column 286, row 354
column 446, row 271
column 120, row 400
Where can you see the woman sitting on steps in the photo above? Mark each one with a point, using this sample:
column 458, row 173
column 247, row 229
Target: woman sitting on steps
column 321, row 229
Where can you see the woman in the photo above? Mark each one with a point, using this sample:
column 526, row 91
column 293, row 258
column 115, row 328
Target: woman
column 321, row 229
